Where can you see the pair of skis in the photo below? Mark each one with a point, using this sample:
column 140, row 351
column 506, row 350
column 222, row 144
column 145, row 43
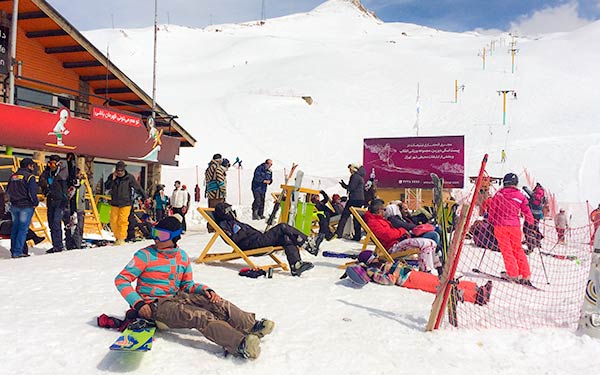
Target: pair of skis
column 441, row 214
column 503, row 279
column 281, row 197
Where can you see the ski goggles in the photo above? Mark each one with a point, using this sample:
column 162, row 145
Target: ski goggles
column 164, row 235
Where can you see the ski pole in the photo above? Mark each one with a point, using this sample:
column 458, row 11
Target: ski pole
column 544, row 266
column 481, row 260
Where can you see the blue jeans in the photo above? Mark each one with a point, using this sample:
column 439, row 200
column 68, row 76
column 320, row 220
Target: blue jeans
column 432, row 236
column 21, row 218
column 55, row 217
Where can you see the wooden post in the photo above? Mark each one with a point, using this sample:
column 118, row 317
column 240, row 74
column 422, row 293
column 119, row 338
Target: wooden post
column 483, row 57
column 504, row 108
column 455, row 91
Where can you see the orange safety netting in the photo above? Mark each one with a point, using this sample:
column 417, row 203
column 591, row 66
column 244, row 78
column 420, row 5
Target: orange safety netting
column 558, row 261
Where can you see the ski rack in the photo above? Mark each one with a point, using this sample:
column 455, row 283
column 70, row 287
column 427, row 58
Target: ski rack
column 286, row 203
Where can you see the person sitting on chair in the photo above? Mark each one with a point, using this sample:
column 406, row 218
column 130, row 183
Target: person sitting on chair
column 324, row 215
column 398, row 239
column 247, row 237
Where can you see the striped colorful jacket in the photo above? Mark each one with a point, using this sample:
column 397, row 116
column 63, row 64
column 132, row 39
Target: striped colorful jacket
column 159, row 274
column 387, row 273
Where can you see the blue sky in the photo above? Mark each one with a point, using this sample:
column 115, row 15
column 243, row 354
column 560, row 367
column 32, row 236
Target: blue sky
column 452, row 15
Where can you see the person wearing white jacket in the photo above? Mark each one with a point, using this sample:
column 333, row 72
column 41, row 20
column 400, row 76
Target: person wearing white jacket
column 562, row 224
column 179, row 203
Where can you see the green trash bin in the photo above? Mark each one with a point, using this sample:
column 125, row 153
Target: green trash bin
column 104, row 212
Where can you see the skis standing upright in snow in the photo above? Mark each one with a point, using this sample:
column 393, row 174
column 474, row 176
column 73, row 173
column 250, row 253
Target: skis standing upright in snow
column 271, row 218
column 294, row 198
column 438, row 205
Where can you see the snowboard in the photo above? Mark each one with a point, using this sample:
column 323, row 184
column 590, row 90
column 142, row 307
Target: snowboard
column 137, row 337
column 294, row 198
column 589, row 322
column 438, row 205
column 271, row 218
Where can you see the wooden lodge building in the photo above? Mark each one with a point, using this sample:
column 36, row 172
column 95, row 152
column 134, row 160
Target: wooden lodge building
column 69, row 97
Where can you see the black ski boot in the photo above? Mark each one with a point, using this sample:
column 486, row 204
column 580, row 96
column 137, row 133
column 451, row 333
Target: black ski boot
column 311, row 246
column 300, row 266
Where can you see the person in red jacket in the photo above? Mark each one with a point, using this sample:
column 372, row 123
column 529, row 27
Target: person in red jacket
column 398, row 239
column 504, row 210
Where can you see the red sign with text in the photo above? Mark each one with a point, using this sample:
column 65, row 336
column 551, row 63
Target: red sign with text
column 408, row 162
column 61, row 133
column 116, row 117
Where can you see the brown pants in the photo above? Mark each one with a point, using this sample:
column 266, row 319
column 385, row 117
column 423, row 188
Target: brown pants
column 222, row 323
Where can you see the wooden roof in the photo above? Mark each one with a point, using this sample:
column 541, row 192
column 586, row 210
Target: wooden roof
column 39, row 20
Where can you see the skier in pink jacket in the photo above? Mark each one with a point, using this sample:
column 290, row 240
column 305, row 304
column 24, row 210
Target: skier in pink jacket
column 504, row 210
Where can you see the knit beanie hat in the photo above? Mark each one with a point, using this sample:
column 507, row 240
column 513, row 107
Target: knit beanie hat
column 365, row 256
column 172, row 224
column 169, row 223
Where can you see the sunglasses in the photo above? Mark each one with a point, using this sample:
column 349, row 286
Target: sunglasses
column 164, row 235
column 230, row 210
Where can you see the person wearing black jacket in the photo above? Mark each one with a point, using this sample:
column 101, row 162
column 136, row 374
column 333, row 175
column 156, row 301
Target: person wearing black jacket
column 22, row 191
column 324, row 214
column 54, row 186
column 121, row 185
column 356, row 198
column 247, row 237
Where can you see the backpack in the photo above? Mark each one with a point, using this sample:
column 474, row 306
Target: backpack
column 421, row 229
column 358, row 275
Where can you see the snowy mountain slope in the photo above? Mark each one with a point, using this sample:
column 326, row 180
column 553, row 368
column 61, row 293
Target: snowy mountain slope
column 362, row 75
column 237, row 89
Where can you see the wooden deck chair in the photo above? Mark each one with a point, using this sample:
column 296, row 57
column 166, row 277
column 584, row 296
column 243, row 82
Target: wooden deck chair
column 381, row 251
column 236, row 253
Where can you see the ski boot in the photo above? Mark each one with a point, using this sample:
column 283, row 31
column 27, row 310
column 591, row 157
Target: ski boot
column 299, row 267
column 263, row 327
column 249, row 347
column 483, row 294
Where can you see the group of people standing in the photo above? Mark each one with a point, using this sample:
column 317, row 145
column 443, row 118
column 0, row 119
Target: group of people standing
column 62, row 186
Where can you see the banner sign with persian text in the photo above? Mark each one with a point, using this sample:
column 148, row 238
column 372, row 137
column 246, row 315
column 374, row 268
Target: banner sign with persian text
column 116, row 136
column 408, row 162
column 116, row 117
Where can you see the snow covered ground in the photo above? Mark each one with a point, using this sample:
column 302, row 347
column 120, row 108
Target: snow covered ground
column 324, row 325
column 237, row 89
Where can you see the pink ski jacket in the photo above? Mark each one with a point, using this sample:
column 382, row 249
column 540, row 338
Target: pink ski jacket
column 505, row 207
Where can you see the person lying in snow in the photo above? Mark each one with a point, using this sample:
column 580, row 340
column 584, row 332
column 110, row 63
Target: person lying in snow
column 370, row 268
column 167, row 293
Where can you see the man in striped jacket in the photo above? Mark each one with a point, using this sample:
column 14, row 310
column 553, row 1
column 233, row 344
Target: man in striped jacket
column 167, row 293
